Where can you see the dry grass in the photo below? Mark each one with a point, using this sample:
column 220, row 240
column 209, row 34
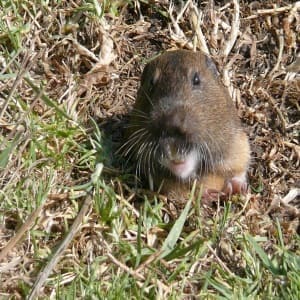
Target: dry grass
column 66, row 64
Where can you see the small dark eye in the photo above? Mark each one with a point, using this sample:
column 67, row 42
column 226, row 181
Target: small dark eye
column 196, row 79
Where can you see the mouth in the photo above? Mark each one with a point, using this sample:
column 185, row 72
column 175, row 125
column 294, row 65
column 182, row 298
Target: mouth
column 183, row 167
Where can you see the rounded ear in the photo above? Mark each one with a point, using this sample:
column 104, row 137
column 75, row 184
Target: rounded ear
column 211, row 65
column 145, row 72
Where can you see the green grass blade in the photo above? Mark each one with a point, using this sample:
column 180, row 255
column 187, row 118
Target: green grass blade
column 46, row 99
column 263, row 256
column 5, row 154
column 175, row 232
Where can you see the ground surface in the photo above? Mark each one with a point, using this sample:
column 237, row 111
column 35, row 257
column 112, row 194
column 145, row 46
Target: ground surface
column 69, row 73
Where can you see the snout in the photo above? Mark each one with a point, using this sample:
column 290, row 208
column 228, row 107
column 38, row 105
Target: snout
column 174, row 128
column 174, row 123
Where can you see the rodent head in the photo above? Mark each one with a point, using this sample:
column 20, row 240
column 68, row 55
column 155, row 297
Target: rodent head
column 183, row 117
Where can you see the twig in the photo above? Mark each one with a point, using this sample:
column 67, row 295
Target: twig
column 225, row 73
column 178, row 30
column 196, row 22
column 292, row 194
column 221, row 263
column 27, row 225
column 293, row 146
column 180, row 14
column 6, row 67
column 125, row 268
column 276, row 10
column 44, row 274
column 279, row 58
column 273, row 103
column 135, row 273
column 234, row 30
column 26, row 64
column 138, row 7
column 149, row 260
column 178, row 35
column 83, row 50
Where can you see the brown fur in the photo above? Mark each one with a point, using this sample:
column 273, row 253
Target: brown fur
column 174, row 114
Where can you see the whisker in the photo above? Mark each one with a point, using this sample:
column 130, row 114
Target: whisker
column 133, row 139
column 133, row 145
column 147, row 96
column 139, row 113
column 136, row 124
column 152, row 155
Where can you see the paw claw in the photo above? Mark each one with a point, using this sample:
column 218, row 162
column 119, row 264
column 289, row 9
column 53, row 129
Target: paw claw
column 236, row 185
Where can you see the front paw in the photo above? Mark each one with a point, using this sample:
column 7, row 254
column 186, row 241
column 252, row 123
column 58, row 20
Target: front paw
column 236, row 185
